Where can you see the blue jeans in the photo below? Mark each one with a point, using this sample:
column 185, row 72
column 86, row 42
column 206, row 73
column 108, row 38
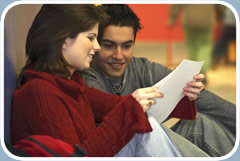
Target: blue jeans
column 214, row 130
column 208, row 134
column 186, row 148
column 154, row 144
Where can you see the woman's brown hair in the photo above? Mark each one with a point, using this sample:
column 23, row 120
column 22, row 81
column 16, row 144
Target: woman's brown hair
column 50, row 28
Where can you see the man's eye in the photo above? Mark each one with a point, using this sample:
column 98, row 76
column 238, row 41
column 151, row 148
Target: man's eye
column 127, row 46
column 108, row 46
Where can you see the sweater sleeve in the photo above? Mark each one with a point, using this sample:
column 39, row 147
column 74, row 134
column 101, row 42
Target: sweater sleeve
column 185, row 109
column 122, row 118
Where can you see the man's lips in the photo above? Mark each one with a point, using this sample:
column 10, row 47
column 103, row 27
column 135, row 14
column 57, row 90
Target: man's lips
column 116, row 66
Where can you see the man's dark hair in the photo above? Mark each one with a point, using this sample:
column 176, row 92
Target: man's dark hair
column 120, row 15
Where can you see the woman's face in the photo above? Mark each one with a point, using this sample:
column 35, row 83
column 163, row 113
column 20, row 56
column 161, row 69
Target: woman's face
column 78, row 52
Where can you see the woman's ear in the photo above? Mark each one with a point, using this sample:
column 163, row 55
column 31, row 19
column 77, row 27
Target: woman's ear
column 66, row 43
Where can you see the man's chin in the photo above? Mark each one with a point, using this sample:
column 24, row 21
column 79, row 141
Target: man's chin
column 116, row 75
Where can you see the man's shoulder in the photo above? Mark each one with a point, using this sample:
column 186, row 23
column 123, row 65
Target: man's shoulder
column 145, row 63
column 92, row 74
column 94, row 79
column 140, row 61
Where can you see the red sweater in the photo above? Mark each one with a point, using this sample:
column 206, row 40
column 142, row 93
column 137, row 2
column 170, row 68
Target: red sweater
column 67, row 109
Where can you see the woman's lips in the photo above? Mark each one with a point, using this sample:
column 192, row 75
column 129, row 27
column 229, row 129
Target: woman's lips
column 90, row 56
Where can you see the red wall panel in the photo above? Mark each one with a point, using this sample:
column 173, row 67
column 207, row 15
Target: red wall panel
column 154, row 18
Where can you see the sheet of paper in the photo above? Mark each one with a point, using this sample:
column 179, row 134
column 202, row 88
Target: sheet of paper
column 172, row 87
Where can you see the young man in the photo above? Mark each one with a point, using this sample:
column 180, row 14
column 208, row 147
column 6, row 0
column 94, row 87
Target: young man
column 118, row 72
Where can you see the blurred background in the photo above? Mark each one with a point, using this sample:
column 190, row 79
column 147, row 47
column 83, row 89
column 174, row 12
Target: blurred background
column 160, row 40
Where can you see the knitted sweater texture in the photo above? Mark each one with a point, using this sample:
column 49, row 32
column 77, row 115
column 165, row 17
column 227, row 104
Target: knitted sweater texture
column 67, row 109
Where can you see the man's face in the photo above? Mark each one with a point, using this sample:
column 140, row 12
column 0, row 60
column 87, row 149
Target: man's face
column 117, row 46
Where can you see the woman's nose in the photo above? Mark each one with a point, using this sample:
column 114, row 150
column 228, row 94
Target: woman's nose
column 96, row 46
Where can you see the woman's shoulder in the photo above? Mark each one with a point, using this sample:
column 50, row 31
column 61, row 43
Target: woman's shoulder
column 36, row 86
column 37, row 81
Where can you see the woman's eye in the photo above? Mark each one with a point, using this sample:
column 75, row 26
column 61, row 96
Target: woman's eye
column 91, row 38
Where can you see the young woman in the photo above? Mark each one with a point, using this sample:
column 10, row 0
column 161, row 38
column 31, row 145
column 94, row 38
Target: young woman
column 52, row 99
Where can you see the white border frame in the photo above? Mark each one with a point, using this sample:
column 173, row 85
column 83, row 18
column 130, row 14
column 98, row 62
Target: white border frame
column 114, row 2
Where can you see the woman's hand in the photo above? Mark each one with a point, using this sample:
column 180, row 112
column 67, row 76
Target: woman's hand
column 146, row 96
column 193, row 89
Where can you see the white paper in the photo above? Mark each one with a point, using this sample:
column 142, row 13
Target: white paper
column 172, row 87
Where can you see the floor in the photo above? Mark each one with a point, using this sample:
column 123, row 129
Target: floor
column 221, row 80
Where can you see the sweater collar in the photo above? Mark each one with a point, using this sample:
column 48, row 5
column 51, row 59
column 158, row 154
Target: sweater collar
column 73, row 85
column 123, row 82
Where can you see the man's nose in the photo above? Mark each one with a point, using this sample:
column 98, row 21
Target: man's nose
column 118, row 53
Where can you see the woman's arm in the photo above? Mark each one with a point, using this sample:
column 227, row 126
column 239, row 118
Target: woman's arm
column 43, row 110
column 118, row 125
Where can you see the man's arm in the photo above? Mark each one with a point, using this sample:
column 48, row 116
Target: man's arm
column 95, row 80
column 210, row 104
column 147, row 72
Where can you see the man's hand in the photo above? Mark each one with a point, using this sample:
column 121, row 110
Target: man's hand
column 193, row 89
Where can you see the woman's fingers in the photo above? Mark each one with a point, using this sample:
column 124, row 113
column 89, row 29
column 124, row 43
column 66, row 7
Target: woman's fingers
column 147, row 93
column 191, row 96
column 148, row 89
column 146, row 104
column 193, row 90
column 196, row 85
column 146, row 96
